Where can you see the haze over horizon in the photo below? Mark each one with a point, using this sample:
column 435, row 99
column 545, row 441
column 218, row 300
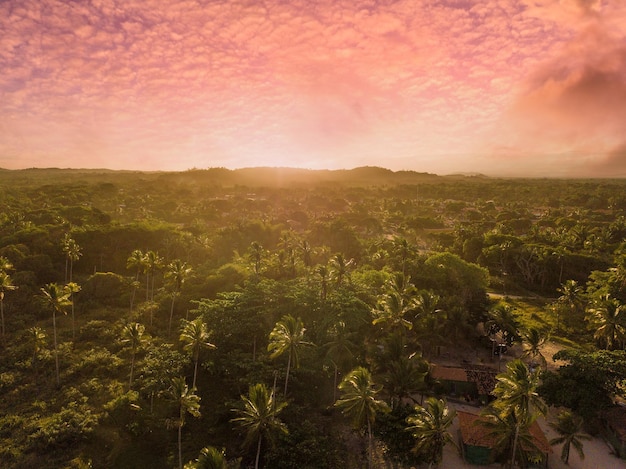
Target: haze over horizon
column 500, row 87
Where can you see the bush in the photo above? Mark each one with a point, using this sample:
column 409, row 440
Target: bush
column 71, row 425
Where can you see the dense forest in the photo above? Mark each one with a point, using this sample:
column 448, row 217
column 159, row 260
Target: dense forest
column 283, row 318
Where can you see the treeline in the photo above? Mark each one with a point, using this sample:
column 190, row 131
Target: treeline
column 143, row 313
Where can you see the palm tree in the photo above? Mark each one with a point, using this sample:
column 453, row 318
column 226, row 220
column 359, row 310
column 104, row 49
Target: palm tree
column 502, row 322
column 405, row 376
column 72, row 288
column 256, row 253
column 392, row 310
column 534, row 340
column 132, row 334
column 609, row 317
column 5, row 264
column 358, row 401
column 57, row 299
column 429, row 426
column 153, row 262
column 569, row 427
column 339, row 350
column 37, row 337
column 340, row 268
column 136, row 261
column 323, row 273
column 516, row 395
column 177, row 272
column 507, row 432
column 195, row 336
column 72, row 252
column 209, row 458
column 287, row 337
column 571, row 300
column 6, row 284
column 188, row 402
column 259, row 417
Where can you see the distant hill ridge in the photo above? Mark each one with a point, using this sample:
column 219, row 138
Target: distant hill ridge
column 254, row 177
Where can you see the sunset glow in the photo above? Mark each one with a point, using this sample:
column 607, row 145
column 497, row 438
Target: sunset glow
column 501, row 87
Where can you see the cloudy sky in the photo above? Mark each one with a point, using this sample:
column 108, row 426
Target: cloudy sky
column 502, row 87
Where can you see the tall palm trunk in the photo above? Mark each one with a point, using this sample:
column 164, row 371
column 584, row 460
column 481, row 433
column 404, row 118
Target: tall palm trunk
column 287, row 376
column 56, row 352
column 180, row 441
column 258, row 453
column 132, row 369
column 515, row 438
column 195, row 367
column 369, row 444
column 2, row 312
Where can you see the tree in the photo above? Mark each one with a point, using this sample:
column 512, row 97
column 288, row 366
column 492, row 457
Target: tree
column 137, row 261
column 188, row 402
column 6, row 284
column 177, row 272
column 37, row 339
column 340, row 268
column 429, row 426
column 502, row 321
column 72, row 288
column 392, row 309
column 72, row 254
column 405, row 376
column 339, row 349
column 571, row 301
column 609, row 319
column 587, row 383
column 153, row 262
column 132, row 335
column 533, row 340
column 259, row 417
column 57, row 299
column 507, row 432
column 195, row 336
column 569, row 427
column 358, row 401
column 209, row 458
column 287, row 337
column 516, row 396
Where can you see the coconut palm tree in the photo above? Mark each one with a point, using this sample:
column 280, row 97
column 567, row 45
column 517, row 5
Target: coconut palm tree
column 533, row 340
column 323, row 272
column 57, row 298
column 136, row 261
column 256, row 253
column 516, row 395
column 195, row 336
column 507, row 432
column 339, row 350
column 429, row 426
column 72, row 253
column 72, row 288
column 188, row 402
column 177, row 273
column 259, row 417
column 569, row 427
column 6, row 284
column 609, row 317
column 209, row 458
column 287, row 337
column 571, row 300
column 132, row 335
column 358, row 401
column 340, row 268
column 502, row 322
column 37, row 338
column 153, row 262
column 392, row 310
column 405, row 376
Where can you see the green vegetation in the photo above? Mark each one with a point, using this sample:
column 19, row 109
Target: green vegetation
column 132, row 301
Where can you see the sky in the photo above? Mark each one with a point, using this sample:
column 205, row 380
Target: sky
column 499, row 87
